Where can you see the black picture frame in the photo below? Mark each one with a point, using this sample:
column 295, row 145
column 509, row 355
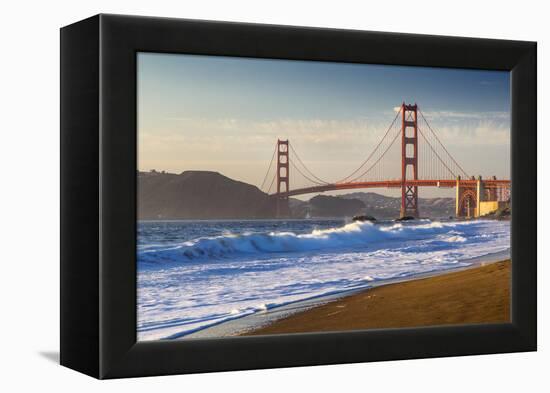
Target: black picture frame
column 98, row 195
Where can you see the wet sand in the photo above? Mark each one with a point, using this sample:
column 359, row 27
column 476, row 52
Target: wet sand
column 476, row 295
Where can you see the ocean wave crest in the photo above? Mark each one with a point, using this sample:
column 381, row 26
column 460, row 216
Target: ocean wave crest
column 348, row 236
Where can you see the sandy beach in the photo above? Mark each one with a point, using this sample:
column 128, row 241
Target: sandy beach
column 477, row 295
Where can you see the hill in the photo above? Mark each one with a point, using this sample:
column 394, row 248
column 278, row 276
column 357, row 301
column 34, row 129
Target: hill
column 199, row 195
column 381, row 206
column 332, row 206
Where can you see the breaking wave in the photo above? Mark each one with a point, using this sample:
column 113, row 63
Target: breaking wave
column 356, row 234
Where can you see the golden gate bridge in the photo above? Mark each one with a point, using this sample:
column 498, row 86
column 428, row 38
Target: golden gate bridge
column 425, row 162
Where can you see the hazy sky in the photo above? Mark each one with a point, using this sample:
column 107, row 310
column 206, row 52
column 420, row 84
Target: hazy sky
column 225, row 114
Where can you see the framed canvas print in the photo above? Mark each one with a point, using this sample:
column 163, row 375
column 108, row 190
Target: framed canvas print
column 239, row 196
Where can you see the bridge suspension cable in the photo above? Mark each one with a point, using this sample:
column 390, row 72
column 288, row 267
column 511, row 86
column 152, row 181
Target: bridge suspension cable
column 271, row 185
column 436, row 154
column 319, row 180
column 304, row 175
column 269, row 168
column 346, row 179
column 379, row 158
column 463, row 172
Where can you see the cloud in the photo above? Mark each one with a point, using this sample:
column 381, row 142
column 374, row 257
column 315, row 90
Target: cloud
column 452, row 115
column 469, row 128
column 216, row 131
column 483, row 134
column 243, row 144
column 461, row 128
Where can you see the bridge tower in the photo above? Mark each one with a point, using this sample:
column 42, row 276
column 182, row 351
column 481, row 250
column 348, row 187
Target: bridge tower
column 409, row 158
column 283, row 209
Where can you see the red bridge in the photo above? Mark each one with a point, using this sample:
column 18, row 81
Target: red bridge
column 425, row 162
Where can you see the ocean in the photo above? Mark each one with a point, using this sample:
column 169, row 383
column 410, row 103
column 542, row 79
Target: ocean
column 196, row 274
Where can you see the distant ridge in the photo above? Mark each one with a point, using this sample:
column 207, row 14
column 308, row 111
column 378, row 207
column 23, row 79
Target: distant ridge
column 382, row 206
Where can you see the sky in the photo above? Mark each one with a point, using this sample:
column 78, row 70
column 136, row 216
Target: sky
column 225, row 114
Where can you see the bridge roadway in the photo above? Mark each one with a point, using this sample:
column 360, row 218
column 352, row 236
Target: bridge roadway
column 445, row 183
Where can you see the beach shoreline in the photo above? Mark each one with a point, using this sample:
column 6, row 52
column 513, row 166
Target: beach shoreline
column 253, row 323
column 479, row 294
